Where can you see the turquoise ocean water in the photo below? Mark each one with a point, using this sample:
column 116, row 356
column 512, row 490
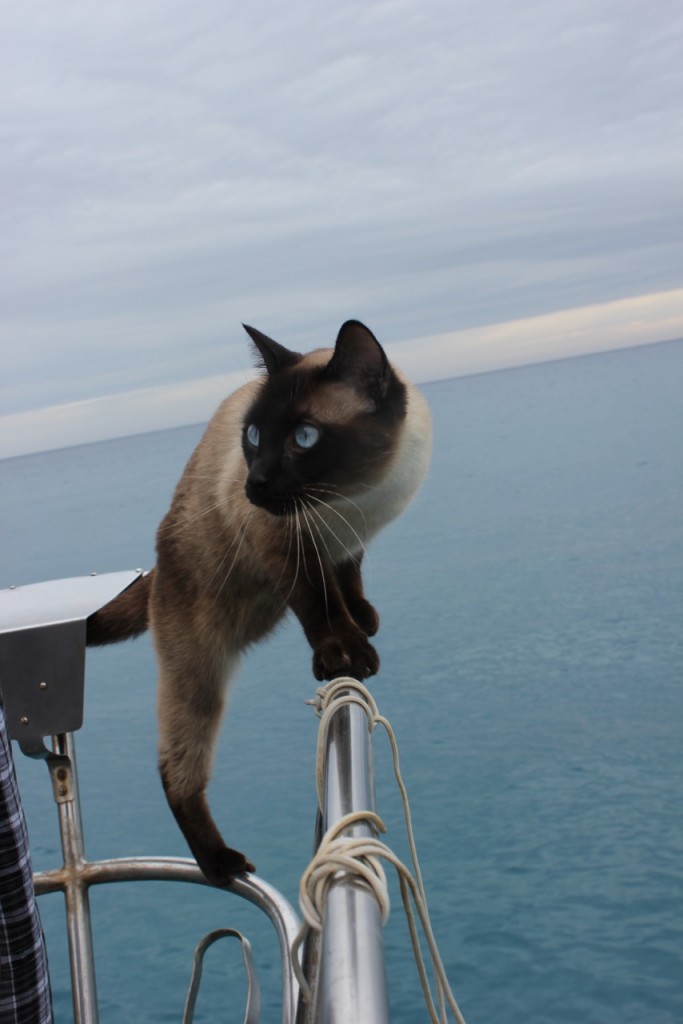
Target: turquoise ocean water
column 532, row 609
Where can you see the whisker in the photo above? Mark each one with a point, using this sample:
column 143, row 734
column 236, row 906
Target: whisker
column 335, row 490
column 219, row 567
column 222, row 562
column 339, row 494
column 171, row 531
column 320, row 563
column 326, row 504
column 298, row 556
column 215, row 478
column 232, row 564
column 303, row 546
column 311, row 508
column 285, row 565
column 340, row 542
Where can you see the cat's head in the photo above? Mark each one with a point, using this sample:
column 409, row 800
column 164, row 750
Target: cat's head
column 325, row 425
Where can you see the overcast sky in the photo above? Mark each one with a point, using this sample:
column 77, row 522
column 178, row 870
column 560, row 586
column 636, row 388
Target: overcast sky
column 170, row 170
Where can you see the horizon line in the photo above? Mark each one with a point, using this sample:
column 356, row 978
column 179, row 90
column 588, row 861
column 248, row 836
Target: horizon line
column 464, row 374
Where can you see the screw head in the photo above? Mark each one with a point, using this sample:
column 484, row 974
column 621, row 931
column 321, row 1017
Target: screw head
column 42, row 685
column 23, row 720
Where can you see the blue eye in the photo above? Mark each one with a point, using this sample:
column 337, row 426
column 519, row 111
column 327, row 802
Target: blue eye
column 253, row 436
column 306, row 435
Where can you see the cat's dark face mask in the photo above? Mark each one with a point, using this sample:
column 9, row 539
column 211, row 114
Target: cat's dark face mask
column 320, row 431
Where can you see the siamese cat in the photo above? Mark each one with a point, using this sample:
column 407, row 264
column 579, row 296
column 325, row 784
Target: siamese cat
column 295, row 473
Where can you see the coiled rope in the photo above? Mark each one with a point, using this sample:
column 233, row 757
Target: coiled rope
column 363, row 856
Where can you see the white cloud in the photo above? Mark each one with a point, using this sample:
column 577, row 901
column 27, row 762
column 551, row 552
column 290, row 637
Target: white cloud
column 129, row 412
column 598, row 328
column 633, row 321
column 170, row 170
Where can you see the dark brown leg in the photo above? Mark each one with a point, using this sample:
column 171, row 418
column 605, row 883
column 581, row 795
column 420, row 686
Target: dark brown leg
column 351, row 586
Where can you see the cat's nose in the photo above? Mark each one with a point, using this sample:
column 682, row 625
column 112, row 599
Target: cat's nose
column 257, row 478
column 257, row 485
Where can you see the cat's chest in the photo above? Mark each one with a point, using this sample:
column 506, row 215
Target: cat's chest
column 346, row 526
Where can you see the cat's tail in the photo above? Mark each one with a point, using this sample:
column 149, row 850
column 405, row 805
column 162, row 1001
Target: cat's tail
column 125, row 617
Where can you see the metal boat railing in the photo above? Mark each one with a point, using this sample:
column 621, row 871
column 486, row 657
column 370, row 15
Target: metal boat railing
column 42, row 671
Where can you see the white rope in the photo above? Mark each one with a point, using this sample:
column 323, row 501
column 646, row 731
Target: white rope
column 363, row 856
column 359, row 855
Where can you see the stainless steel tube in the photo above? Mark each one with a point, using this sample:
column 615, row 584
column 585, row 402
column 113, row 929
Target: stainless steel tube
column 351, row 987
column 65, row 784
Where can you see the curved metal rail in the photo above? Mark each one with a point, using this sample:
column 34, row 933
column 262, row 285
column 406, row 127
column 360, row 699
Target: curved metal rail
column 77, row 875
column 42, row 668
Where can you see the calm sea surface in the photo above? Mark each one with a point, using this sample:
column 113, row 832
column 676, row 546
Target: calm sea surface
column 532, row 610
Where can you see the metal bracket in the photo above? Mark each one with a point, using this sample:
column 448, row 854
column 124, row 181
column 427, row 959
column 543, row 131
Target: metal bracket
column 62, row 777
column 42, row 653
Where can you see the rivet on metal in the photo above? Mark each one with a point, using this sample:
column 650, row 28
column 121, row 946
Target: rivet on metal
column 23, row 720
column 42, row 686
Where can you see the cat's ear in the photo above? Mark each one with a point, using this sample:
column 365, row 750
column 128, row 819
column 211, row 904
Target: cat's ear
column 359, row 359
column 274, row 356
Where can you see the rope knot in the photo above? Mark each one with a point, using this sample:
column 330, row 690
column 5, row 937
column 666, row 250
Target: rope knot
column 362, row 856
column 338, row 689
column 356, row 855
column 327, row 701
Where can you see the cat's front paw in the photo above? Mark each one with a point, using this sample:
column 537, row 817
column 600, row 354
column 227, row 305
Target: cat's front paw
column 347, row 653
column 221, row 866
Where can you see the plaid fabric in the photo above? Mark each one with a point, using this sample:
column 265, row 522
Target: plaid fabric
column 25, row 996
